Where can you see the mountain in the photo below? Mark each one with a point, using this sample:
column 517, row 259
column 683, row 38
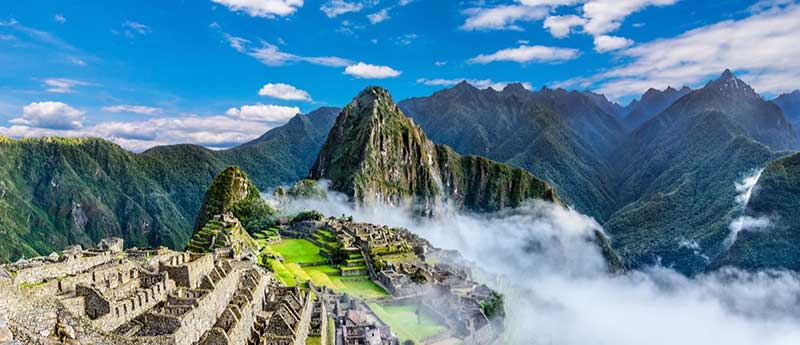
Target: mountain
column 232, row 199
column 520, row 128
column 55, row 192
column 651, row 104
column 604, row 104
column 790, row 104
column 375, row 154
column 677, row 173
column 775, row 197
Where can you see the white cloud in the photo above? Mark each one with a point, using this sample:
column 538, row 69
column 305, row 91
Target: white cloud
column 237, row 43
column 284, row 92
column 132, row 28
column 270, row 55
column 527, row 54
column 561, row 26
column 762, row 48
column 263, row 113
column 367, row 71
column 59, row 18
column 478, row 83
column 440, row 63
column 52, row 115
column 63, row 85
column 216, row 131
column 379, row 16
column 136, row 109
column 76, row 61
column 605, row 43
column 605, row 16
column 334, row 8
column 262, row 8
column 502, row 17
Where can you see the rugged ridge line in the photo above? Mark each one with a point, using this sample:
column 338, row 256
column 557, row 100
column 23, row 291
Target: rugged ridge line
column 375, row 154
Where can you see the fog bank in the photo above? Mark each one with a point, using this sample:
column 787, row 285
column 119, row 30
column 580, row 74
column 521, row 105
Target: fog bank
column 558, row 290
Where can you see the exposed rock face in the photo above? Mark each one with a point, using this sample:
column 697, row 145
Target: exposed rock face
column 375, row 154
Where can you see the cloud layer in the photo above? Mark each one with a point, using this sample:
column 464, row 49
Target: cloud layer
column 557, row 290
column 762, row 46
column 262, row 8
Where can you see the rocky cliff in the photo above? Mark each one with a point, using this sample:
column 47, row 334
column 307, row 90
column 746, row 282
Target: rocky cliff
column 375, row 154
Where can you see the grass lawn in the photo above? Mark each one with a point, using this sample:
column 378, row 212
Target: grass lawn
column 403, row 321
column 297, row 251
column 313, row 341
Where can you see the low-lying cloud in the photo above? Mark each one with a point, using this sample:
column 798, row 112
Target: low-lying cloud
column 558, row 291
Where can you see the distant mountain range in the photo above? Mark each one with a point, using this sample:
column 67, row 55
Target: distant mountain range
column 55, row 192
column 659, row 174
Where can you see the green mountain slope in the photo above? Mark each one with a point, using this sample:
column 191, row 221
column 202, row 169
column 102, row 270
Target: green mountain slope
column 375, row 154
column 520, row 128
column 677, row 174
column 55, row 192
column 777, row 197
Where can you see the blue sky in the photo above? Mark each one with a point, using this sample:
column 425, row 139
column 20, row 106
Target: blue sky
column 220, row 72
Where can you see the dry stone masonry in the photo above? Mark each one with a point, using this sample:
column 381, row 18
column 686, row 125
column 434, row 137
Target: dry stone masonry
column 157, row 296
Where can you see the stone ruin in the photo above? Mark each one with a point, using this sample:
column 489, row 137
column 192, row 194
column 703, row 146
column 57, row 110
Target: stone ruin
column 107, row 295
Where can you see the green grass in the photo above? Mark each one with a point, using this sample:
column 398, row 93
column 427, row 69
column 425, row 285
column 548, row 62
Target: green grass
column 313, row 341
column 297, row 251
column 403, row 320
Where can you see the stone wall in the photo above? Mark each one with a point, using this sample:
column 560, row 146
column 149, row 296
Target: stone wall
column 123, row 310
column 235, row 324
column 187, row 269
column 71, row 265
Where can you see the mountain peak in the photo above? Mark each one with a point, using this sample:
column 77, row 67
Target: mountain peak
column 514, row 87
column 726, row 75
column 728, row 85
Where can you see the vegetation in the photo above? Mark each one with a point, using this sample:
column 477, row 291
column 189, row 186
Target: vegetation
column 59, row 191
column 377, row 154
column 300, row 251
column 407, row 321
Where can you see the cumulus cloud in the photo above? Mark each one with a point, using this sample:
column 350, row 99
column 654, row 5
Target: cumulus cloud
column 478, row 83
column 136, row 109
column 598, row 18
column 52, row 115
column 763, row 51
column 334, row 8
column 262, row 8
column 527, row 54
column 284, row 92
column 379, row 16
column 63, row 85
column 236, row 126
column 367, row 71
column 263, row 112
column 605, row 16
column 557, row 290
column 605, row 43
column 502, row 17
column 561, row 26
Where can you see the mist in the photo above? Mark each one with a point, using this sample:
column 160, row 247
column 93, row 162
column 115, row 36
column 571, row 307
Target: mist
column 558, row 290
column 746, row 187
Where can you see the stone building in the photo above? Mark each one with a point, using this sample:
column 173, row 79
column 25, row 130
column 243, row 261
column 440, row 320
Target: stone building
column 106, row 295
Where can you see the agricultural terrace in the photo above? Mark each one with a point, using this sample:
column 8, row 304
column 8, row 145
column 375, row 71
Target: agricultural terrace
column 302, row 261
column 404, row 321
